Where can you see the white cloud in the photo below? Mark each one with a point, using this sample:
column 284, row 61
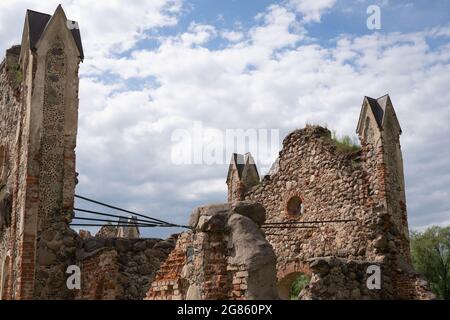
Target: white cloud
column 276, row 30
column 312, row 10
column 198, row 34
column 120, row 23
column 232, row 36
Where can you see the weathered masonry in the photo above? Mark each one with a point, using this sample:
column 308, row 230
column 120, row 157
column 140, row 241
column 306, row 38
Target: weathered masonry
column 333, row 214
column 314, row 179
column 225, row 256
column 252, row 247
column 38, row 112
column 38, row 130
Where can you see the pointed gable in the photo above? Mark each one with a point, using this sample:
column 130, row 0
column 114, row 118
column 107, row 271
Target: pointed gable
column 237, row 164
column 37, row 22
column 389, row 112
column 377, row 110
column 245, row 168
column 250, row 171
column 380, row 108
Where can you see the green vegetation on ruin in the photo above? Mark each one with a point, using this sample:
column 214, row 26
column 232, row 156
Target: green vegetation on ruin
column 345, row 144
column 18, row 75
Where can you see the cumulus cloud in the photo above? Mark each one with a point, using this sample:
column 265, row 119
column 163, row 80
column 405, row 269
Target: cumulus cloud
column 312, row 10
column 232, row 36
column 108, row 27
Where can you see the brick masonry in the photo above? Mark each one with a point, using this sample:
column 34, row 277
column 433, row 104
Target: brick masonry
column 119, row 268
column 38, row 131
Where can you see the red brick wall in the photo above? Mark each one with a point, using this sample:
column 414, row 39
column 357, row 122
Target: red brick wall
column 167, row 284
column 100, row 276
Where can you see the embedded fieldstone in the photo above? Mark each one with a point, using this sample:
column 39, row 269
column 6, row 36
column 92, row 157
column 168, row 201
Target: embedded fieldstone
column 123, row 245
column 341, row 279
column 139, row 246
column 203, row 222
column 320, row 266
column 92, row 244
column 46, row 257
column 195, row 216
column 254, row 211
column 215, row 223
column 251, row 250
column 380, row 242
column 164, row 245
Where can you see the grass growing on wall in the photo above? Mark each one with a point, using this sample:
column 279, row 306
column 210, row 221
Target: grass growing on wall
column 18, row 75
column 345, row 143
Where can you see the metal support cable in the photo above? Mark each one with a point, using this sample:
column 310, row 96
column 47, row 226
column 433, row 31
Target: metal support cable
column 115, row 226
column 289, row 227
column 109, row 221
column 308, row 222
column 111, row 215
column 131, row 212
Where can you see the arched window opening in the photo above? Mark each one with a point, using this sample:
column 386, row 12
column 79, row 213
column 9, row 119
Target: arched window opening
column 295, row 206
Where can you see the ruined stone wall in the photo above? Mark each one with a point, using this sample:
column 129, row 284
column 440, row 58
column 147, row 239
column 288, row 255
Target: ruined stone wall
column 100, row 276
column 343, row 279
column 331, row 186
column 383, row 165
column 18, row 238
column 330, row 183
column 119, row 268
column 10, row 110
column 169, row 282
column 225, row 257
column 236, row 188
column 395, row 189
column 39, row 113
column 22, row 246
column 56, row 171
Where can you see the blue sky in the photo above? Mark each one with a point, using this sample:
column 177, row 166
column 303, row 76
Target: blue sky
column 156, row 66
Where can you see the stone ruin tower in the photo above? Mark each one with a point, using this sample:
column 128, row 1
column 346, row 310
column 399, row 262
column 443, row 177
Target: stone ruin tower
column 379, row 132
column 315, row 179
column 38, row 128
column 38, row 131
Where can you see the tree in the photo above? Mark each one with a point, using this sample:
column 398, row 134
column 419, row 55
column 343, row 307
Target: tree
column 430, row 251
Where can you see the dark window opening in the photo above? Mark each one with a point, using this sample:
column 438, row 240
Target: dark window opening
column 295, row 206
